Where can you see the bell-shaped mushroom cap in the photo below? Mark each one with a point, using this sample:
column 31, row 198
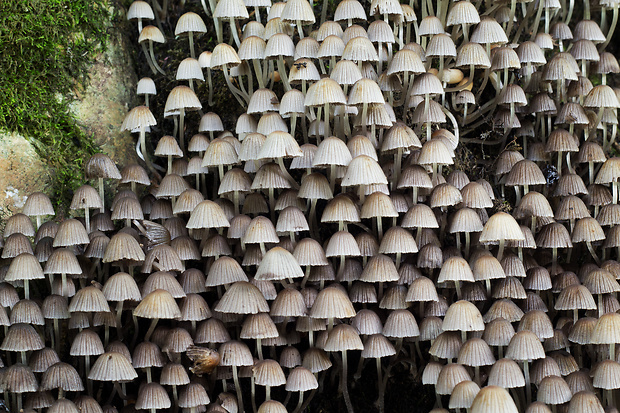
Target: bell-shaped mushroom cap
column 89, row 299
column 242, row 298
column 332, row 302
column 463, row 316
column 278, row 264
column 24, row 267
column 190, row 22
column 61, row 376
column 123, row 246
column 112, row 366
column 493, row 399
column 331, row 151
column 194, row 395
column 272, row 406
column 146, row 85
column 268, row 373
column 101, row 166
column 225, row 270
column 22, row 337
column 607, row 329
column 86, row 342
column 138, row 118
column 235, row 353
column 152, row 396
column 182, row 97
column 585, row 402
column 501, row 226
column 70, row 232
column 325, row 91
column 208, row 214
column 158, row 304
column 279, row 144
column 525, row 345
column 363, row 170
column 343, row 337
column 38, row 204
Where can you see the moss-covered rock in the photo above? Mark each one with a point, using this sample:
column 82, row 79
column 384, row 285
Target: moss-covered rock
column 22, row 171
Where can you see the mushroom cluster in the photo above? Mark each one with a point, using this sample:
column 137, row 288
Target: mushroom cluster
column 338, row 220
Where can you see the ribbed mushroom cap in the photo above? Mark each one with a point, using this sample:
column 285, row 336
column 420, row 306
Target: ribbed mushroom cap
column 268, row 373
column 112, row 366
column 331, row 151
column 21, row 337
column 28, row 312
column 455, row 269
column 449, row 376
column 190, row 22
column 342, row 243
column 343, row 337
column 242, row 298
column 70, row 232
column 398, row 240
column 19, row 378
column 207, row 214
column 146, row 85
column 89, row 299
column 86, row 342
column 61, row 376
column 325, row 91
column 501, row 226
column 553, row 390
column 463, row 316
column 377, row 346
column 193, row 395
column 464, row 392
column 493, row 399
column 38, row 204
column 138, row 118
column 606, row 375
column 506, row 373
column 606, row 329
column 525, row 345
column 380, row 268
column 258, row 326
column 585, row 402
column 235, row 353
column 554, row 235
column 152, row 396
column 332, row 302
column 278, row 264
column 158, row 304
column 25, row 267
column 225, row 270
column 123, row 246
column 476, row 352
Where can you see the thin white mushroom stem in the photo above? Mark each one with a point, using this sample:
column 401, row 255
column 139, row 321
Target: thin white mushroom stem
column 300, row 29
column 148, row 58
column 259, row 73
column 210, row 82
column 235, row 91
column 282, row 72
column 345, row 389
column 528, row 384
column 153, row 60
column 238, row 388
column 612, row 28
column 191, row 44
column 233, row 30
column 119, row 313
column 151, row 329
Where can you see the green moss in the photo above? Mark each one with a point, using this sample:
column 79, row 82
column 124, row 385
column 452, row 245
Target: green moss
column 46, row 47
